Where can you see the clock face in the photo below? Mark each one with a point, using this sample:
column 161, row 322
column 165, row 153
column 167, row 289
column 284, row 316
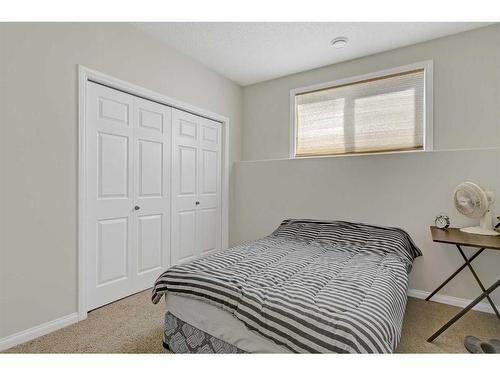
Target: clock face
column 442, row 221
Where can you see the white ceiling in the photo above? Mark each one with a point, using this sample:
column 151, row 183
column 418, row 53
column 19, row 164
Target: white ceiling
column 248, row 53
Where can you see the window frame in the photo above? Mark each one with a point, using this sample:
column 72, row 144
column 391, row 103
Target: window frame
column 427, row 67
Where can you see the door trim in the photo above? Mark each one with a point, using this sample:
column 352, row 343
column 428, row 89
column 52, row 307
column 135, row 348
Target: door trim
column 85, row 74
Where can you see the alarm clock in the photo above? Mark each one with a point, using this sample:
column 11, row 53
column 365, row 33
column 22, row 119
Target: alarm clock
column 442, row 221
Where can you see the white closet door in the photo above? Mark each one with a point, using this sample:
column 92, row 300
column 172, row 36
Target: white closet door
column 196, row 186
column 109, row 194
column 128, row 156
column 152, row 201
column 209, row 187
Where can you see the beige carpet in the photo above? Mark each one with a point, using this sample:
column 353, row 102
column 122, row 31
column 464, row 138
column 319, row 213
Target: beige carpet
column 135, row 325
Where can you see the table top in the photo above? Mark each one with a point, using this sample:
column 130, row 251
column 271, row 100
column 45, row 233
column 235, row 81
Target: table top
column 455, row 236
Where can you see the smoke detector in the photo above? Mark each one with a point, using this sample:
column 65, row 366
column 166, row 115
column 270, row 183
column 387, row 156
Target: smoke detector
column 339, row 42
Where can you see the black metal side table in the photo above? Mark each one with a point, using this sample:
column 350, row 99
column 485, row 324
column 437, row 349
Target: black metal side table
column 455, row 237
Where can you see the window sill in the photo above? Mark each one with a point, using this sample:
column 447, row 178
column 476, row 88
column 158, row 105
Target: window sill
column 358, row 154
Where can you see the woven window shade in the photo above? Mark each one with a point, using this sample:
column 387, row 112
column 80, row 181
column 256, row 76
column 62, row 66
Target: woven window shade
column 375, row 115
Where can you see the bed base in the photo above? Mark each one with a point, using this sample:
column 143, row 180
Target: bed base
column 181, row 337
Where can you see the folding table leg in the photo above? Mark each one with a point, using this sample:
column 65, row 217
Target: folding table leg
column 478, row 280
column 486, row 293
column 454, row 274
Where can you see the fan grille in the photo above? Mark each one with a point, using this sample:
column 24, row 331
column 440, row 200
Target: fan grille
column 471, row 200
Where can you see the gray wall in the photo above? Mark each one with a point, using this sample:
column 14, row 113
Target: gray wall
column 405, row 190
column 39, row 143
column 466, row 93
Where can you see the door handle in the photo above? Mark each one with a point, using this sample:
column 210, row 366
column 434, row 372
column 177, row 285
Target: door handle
column 137, row 208
column 197, row 203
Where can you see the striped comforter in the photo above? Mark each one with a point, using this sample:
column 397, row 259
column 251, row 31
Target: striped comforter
column 312, row 286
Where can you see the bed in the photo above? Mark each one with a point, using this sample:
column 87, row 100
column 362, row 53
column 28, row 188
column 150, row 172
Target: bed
column 309, row 287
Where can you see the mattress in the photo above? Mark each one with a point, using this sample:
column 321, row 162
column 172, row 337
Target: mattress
column 220, row 324
column 311, row 286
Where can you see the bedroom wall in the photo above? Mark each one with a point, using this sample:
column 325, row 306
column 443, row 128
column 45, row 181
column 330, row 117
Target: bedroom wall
column 39, row 143
column 405, row 190
column 466, row 93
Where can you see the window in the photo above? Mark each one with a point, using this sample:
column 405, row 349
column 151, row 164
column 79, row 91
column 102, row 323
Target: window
column 381, row 112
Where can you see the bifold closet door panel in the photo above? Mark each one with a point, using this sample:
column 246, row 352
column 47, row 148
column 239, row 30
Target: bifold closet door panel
column 152, row 197
column 209, row 187
column 128, row 199
column 110, row 196
column 196, row 186
column 185, row 155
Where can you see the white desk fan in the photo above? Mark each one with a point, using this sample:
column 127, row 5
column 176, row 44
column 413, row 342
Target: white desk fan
column 473, row 201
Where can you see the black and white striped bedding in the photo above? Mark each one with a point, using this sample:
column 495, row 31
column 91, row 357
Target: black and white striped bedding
column 312, row 286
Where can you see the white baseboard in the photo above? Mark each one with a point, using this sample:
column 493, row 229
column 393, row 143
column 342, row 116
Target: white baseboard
column 483, row 306
column 37, row 331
